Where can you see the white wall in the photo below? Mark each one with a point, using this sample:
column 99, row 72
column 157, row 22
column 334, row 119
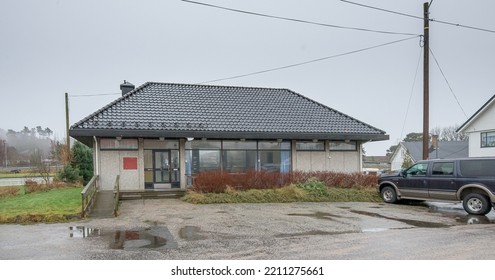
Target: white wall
column 338, row 161
column 111, row 165
column 475, row 149
column 484, row 122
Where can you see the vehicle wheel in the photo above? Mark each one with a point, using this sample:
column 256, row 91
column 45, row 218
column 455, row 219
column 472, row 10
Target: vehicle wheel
column 476, row 204
column 389, row 195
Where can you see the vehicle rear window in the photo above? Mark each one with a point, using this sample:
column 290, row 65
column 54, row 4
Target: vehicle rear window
column 478, row 168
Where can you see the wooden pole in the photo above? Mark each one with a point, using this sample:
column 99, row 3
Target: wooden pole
column 426, row 82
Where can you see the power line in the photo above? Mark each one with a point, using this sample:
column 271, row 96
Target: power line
column 410, row 95
column 383, row 10
column 448, row 84
column 298, row 20
column 307, row 62
column 89, row 95
column 418, row 17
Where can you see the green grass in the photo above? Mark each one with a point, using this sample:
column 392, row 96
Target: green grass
column 56, row 205
column 291, row 193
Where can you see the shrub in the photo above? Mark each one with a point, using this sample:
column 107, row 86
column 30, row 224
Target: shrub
column 9, row 191
column 69, row 174
column 217, row 182
column 314, row 187
column 82, row 159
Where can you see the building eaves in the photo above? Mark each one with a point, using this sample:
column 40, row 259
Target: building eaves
column 475, row 115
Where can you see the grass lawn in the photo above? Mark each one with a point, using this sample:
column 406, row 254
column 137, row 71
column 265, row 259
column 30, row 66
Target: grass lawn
column 55, row 205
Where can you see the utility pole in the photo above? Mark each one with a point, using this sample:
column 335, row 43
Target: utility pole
column 426, row 81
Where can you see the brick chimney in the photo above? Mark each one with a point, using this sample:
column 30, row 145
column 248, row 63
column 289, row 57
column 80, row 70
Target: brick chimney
column 126, row 87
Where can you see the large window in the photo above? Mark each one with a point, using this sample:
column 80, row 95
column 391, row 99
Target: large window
column 237, row 156
column 202, row 156
column 488, row 139
column 274, row 156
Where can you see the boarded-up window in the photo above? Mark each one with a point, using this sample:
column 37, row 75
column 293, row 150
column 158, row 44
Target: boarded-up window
column 130, row 163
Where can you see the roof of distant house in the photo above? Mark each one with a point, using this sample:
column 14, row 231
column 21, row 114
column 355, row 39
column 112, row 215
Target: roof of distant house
column 198, row 111
column 446, row 150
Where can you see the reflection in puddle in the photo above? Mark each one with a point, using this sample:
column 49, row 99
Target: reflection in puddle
column 374, row 229
column 317, row 215
column 83, row 232
column 414, row 223
column 153, row 237
column 456, row 212
column 314, row 232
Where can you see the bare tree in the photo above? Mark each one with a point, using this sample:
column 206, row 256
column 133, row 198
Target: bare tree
column 449, row 133
column 42, row 168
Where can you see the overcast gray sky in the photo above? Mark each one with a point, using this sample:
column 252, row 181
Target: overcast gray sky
column 50, row 47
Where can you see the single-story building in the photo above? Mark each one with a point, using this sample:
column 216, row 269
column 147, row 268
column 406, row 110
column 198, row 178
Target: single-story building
column 413, row 152
column 160, row 135
column 480, row 128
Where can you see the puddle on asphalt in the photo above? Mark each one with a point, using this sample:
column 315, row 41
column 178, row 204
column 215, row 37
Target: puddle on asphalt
column 191, row 233
column 314, row 232
column 149, row 238
column 414, row 223
column 317, row 215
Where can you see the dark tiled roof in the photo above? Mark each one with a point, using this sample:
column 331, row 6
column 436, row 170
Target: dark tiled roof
column 184, row 110
column 446, row 150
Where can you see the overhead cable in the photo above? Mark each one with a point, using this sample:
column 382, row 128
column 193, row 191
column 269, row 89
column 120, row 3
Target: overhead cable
column 411, row 94
column 448, row 84
column 418, row 17
column 298, row 20
column 308, row 62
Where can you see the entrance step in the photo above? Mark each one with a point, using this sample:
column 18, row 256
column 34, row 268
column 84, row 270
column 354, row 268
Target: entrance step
column 142, row 194
column 103, row 205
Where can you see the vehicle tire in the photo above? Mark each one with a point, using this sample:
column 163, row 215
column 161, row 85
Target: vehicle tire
column 388, row 195
column 476, row 204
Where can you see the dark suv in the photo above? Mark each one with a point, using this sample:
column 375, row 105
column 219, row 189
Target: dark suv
column 470, row 180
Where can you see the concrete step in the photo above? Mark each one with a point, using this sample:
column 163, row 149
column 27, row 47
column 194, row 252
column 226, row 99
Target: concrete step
column 151, row 194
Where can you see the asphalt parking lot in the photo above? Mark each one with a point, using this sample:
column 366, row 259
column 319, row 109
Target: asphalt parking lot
column 172, row 229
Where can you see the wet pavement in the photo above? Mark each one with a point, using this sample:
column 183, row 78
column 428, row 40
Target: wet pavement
column 172, row 229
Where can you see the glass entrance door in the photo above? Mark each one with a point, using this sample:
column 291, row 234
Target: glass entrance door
column 162, row 169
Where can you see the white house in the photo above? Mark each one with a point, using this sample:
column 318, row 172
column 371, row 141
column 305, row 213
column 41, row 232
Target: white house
column 481, row 130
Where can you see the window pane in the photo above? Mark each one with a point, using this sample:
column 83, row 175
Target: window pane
column 443, row 168
column 310, row 146
column 239, row 161
column 114, row 144
column 342, row 146
column 418, row 169
column 275, row 161
column 203, row 144
column 487, row 139
column 478, row 168
column 239, row 145
column 274, row 145
column 202, row 160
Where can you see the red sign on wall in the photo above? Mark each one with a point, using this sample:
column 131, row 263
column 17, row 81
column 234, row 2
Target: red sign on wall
column 130, row 163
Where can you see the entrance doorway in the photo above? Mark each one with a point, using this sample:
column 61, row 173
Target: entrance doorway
column 161, row 169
